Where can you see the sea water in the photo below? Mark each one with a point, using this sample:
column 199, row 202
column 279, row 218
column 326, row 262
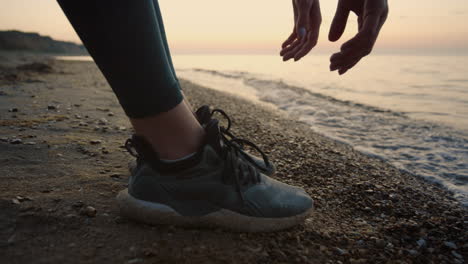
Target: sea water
column 411, row 111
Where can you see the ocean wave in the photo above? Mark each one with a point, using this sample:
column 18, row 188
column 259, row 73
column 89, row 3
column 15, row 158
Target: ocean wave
column 280, row 84
column 433, row 151
column 238, row 75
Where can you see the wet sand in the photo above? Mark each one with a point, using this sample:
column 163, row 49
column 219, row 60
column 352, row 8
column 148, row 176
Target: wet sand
column 62, row 162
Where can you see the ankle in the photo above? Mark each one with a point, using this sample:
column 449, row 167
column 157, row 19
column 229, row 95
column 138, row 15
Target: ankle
column 174, row 147
column 173, row 134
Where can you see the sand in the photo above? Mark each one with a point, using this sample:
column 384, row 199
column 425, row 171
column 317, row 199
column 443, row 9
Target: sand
column 62, row 162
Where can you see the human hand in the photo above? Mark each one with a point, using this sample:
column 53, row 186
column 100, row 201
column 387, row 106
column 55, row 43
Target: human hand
column 307, row 20
column 371, row 17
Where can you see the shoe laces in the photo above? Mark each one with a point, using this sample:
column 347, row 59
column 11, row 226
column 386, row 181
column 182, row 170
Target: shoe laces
column 228, row 136
column 237, row 170
column 240, row 167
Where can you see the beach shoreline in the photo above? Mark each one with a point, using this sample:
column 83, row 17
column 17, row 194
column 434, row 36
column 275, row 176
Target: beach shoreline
column 61, row 138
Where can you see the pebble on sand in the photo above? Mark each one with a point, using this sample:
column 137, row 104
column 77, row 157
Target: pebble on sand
column 103, row 121
column 340, row 251
column 95, row 142
column 16, row 141
column 455, row 254
column 88, row 211
column 421, row 242
column 450, row 245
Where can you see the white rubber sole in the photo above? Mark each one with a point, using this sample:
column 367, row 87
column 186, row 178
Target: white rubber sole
column 160, row 214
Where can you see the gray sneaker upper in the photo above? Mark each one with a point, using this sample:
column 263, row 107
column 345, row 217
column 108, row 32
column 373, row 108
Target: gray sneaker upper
column 217, row 177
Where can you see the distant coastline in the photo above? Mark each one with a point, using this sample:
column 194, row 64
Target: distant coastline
column 13, row 40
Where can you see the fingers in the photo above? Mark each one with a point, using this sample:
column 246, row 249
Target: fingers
column 339, row 21
column 306, row 31
column 343, row 61
column 310, row 43
column 293, row 46
column 352, row 52
column 370, row 22
column 347, row 67
column 292, row 49
column 290, row 40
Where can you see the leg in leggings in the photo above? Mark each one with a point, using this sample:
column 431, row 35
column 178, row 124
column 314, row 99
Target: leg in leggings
column 163, row 36
column 127, row 41
column 124, row 36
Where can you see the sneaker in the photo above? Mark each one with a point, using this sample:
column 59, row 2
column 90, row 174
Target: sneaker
column 204, row 114
column 216, row 187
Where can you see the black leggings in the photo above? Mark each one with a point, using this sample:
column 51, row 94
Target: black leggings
column 126, row 39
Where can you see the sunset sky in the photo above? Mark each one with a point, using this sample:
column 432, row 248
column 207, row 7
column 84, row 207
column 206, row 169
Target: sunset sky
column 260, row 26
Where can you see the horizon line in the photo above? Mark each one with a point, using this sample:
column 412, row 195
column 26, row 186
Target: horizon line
column 449, row 51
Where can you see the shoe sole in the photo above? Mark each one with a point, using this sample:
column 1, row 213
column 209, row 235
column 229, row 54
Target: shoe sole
column 160, row 214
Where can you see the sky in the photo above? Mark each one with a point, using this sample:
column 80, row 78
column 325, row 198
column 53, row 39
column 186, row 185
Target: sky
column 260, row 26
